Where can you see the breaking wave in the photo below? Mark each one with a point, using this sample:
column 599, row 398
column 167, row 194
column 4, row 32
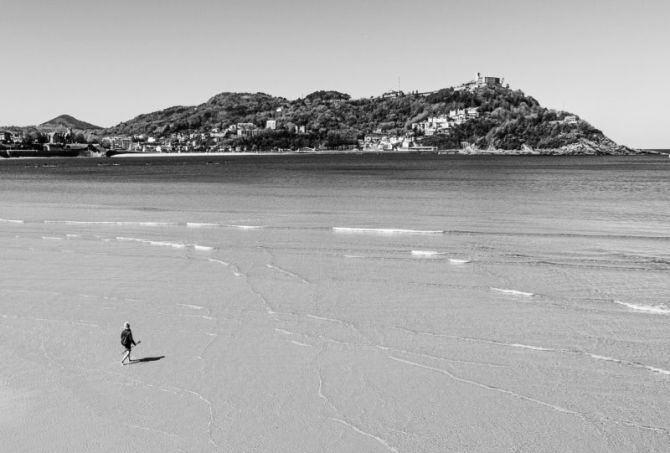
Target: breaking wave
column 458, row 261
column 654, row 309
column 384, row 231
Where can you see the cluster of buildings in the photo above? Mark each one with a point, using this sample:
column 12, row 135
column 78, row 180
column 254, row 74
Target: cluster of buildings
column 440, row 124
column 215, row 140
column 10, row 138
column 380, row 142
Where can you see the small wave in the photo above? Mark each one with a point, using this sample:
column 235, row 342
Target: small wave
column 51, row 238
column 354, row 256
column 107, row 223
column 246, row 227
column 193, row 307
column 72, row 236
column 384, row 231
column 202, row 248
column 284, row 332
column 202, row 225
column 513, row 292
column 654, row 309
column 175, row 245
column 458, row 261
column 297, row 343
column 11, row 221
column 426, row 253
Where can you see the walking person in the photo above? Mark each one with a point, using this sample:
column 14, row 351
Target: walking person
column 128, row 342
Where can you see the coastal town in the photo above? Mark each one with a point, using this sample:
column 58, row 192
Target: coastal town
column 443, row 116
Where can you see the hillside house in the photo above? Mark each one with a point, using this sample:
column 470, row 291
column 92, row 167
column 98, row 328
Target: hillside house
column 6, row 137
column 247, row 130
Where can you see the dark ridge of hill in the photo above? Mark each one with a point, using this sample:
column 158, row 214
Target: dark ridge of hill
column 508, row 120
column 68, row 121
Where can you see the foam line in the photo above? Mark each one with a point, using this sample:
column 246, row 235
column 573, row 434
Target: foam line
column 333, row 320
column 488, row 387
column 543, row 349
column 435, row 357
column 513, row 292
column 534, row 348
column 385, row 231
column 653, row 309
column 297, row 343
column 193, row 307
column 629, row 363
column 458, row 261
column 285, row 272
column 236, row 271
column 51, row 238
column 366, row 434
column 11, row 221
column 202, row 248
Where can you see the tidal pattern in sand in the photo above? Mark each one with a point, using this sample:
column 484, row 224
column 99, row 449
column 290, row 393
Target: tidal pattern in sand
column 336, row 303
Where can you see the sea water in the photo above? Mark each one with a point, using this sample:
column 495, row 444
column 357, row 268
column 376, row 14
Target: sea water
column 340, row 302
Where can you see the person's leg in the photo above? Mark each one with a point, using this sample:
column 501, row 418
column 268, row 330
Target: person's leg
column 126, row 356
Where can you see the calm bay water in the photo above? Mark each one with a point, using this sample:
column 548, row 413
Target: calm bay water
column 440, row 303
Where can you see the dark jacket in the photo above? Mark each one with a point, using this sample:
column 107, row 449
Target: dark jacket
column 127, row 338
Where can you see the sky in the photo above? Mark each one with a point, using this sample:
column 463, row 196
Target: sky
column 105, row 62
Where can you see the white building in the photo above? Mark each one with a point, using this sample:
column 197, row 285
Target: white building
column 271, row 124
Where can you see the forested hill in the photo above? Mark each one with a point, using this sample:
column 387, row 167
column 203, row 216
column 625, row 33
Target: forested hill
column 508, row 119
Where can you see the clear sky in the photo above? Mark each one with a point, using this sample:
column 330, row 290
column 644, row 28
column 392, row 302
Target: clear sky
column 107, row 61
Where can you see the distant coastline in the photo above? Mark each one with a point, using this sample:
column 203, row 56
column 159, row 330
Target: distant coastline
column 480, row 116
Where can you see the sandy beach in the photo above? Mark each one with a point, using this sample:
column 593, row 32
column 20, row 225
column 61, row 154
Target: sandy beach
column 286, row 307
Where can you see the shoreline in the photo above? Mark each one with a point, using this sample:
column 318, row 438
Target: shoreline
column 447, row 152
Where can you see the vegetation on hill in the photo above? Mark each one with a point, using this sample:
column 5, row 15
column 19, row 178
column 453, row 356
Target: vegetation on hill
column 67, row 121
column 508, row 119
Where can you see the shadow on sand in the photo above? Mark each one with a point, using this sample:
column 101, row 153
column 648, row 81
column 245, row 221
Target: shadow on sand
column 146, row 359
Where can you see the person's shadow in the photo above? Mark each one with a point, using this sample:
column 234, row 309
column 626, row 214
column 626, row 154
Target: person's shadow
column 147, row 359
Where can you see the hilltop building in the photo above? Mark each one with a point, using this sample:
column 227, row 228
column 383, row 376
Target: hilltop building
column 480, row 81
